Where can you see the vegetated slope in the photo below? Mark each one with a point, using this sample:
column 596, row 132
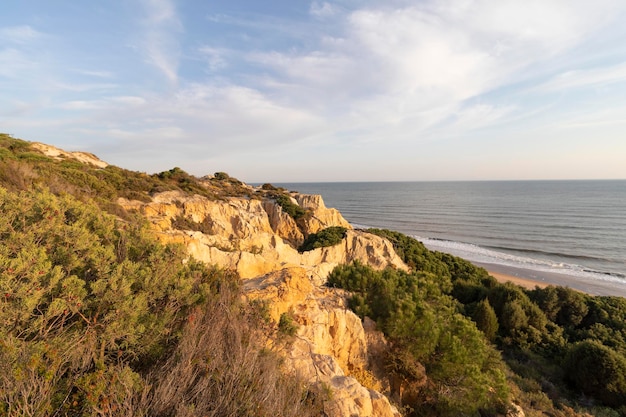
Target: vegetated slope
column 98, row 318
column 565, row 350
column 23, row 166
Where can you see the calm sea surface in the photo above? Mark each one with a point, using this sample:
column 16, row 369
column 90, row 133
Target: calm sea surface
column 573, row 228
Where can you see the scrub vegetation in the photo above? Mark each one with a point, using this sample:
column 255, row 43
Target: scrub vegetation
column 330, row 236
column 97, row 318
column 562, row 351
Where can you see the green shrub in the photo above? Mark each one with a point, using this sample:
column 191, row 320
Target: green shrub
column 221, row 176
column 186, row 223
column 428, row 336
column 287, row 325
column 289, row 207
column 330, row 236
column 598, row 371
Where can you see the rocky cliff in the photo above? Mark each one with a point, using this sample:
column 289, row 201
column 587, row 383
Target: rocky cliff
column 259, row 240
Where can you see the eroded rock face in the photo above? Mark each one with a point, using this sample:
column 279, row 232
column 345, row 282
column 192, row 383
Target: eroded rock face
column 258, row 240
column 283, row 224
column 240, row 235
column 321, row 217
column 330, row 341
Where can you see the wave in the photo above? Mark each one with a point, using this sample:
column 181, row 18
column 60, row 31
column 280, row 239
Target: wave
column 548, row 253
column 480, row 254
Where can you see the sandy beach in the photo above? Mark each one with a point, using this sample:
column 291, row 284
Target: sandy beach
column 523, row 282
column 529, row 279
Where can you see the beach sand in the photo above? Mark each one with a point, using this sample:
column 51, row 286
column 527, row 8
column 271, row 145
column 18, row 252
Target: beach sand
column 522, row 282
column 529, row 279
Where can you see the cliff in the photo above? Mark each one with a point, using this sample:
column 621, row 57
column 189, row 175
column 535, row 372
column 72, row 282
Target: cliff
column 258, row 240
column 102, row 318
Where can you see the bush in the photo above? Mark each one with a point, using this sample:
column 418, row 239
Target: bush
column 287, row 325
column 221, row 176
column 289, row 207
column 330, row 236
column 598, row 371
column 187, row 223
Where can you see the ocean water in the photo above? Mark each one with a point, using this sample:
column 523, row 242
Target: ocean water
column 565, row 232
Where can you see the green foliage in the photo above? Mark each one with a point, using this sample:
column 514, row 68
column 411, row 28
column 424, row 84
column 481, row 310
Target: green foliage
column 533, row 328
column 187, row 223
column 24, row 168
column 330, row 236
column 598, row 371
column 221, row 176
column 287, row 324
column 90, row 307
column 486, row 319
column 465, row 373
column 289, row 207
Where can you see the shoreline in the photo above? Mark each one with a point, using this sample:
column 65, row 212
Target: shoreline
column 529, row 279
column 522, row 282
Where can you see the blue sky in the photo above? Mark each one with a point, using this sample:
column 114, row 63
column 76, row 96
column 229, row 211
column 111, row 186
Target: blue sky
column 285, row 91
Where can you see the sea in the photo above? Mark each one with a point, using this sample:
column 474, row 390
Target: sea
column 570, row 233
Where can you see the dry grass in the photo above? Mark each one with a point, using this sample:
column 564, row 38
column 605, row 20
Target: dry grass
column 220, row 369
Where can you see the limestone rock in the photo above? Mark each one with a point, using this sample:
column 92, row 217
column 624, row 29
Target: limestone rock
column 360, row 246
column 330, row 339
column 352, row 399
column 321, row 217
column 283, row 289
column 239, row 235
column 283, row 224
column 324, row 320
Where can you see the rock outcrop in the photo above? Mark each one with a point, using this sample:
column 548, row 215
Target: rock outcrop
column 259, row 240
column 59, row 154
column 253, row 237
column 330, row 342
column 320, row 216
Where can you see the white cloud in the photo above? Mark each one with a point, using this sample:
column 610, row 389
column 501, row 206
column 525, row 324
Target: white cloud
column 19, row 34
column 479, row 115
column 84, row 87
column 162, row 27
column 198, row 121
column 596, row 77
column 384, row 76
column 97, row 74
column 322, row 9
column 82, row 105
column 409, row 69
column 215, row 57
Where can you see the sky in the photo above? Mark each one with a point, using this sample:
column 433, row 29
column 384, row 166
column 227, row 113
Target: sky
column 346, row 90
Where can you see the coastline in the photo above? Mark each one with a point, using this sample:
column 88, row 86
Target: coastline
column 530, row 279
column 522, row 282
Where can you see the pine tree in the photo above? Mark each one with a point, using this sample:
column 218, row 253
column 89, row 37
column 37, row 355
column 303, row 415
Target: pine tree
column 486, row 319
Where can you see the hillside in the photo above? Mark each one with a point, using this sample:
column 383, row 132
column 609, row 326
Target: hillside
column 169, row 295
